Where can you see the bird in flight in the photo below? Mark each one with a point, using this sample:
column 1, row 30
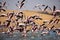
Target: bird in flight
column 20, row 4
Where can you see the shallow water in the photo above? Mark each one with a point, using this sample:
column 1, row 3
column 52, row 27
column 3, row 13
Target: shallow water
column 30, row 36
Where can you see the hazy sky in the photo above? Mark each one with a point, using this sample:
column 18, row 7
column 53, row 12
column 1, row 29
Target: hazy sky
column 29, row 4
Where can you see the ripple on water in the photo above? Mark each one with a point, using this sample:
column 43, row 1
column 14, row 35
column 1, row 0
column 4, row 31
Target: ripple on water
column 30, row 36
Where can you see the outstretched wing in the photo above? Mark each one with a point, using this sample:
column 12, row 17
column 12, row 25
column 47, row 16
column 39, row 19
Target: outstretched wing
column 45, row 8
column 43, row 5
column 23, row 1
column 50, row 8
column 54, row 8
column 21, row 5
column 4, row 4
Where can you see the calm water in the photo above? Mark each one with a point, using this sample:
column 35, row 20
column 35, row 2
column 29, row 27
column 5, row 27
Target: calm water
column 30, row 36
